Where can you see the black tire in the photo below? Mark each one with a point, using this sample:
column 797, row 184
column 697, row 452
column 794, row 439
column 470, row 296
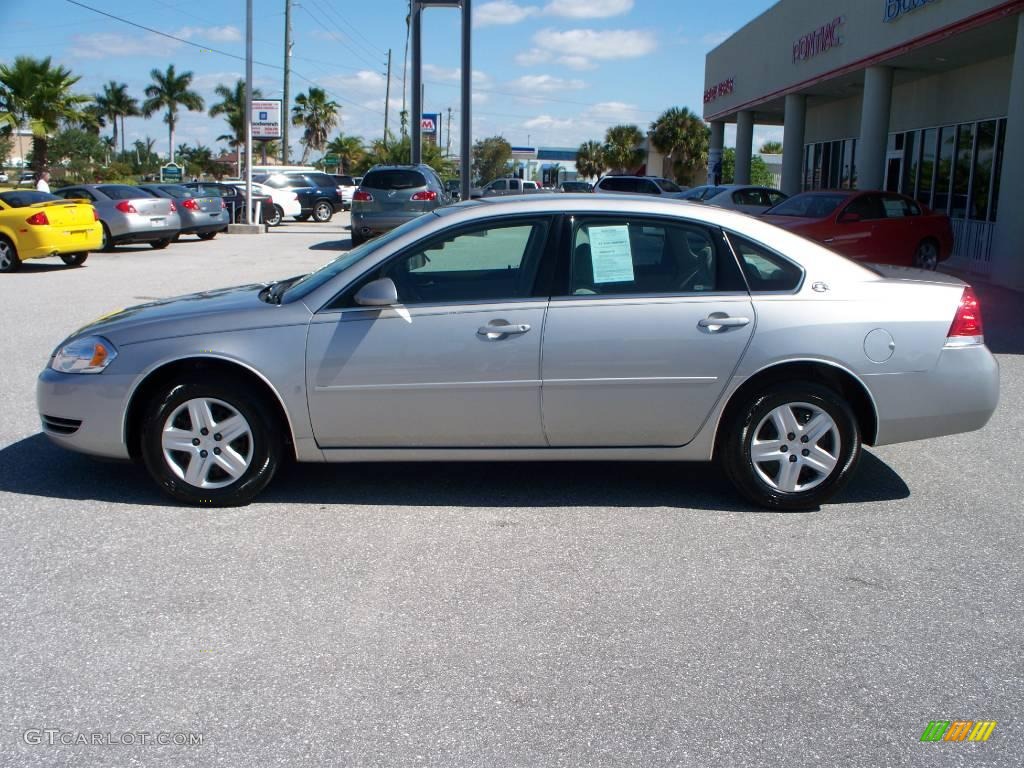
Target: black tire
column 74, row 259
column 302, row 217
column 107, row 246
column 276, row 219
column 926, row 256
column 207, row 235
column 357, row 239
column 265, row 449
column 322, row 211
column 9, row 260
column 738, row 432
column 159, row 245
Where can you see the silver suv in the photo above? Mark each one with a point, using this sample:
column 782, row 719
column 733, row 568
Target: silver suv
column 640, row 185
column 391, row 195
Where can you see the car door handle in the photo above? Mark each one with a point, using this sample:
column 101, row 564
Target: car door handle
column 713, row 323
column 502, row 329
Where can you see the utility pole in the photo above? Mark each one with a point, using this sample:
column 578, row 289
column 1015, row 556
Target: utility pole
column 448, row 145
column 248, row 111
column 417, row 83
column 387, row 100
column 285, row 112
column 466, row 132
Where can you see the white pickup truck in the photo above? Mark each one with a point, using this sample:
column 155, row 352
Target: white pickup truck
column 507, row 186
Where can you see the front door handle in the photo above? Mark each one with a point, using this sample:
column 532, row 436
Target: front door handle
column 716, row 321
column 501, row 328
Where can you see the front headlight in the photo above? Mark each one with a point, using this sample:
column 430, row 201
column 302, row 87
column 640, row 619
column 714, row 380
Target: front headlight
column 89, row 354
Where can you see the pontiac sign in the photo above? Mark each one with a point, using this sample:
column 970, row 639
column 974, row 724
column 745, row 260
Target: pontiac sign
column 822, row 39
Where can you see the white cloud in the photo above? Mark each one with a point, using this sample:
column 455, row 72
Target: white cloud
column 101, row 45
column 578, row 63
column 533, row 84
column 501, row 12
column 532, row 57
column 225, row 34
column 588, row 9
column 547, row 122
column 595, row 44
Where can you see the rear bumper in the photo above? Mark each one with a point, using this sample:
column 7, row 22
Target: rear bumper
column 381, row 222
column 959, row 394
column 84, row 412
column 200, row 223
column 44, row 242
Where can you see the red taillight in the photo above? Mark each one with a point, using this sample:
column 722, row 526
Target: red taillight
column 362, row 197
column 38, row 219
column 95, row 216
column 425, row 195
column 223, row 205
column 174, row 208
column 126, row 207
column 968, row 316
column 189, row 203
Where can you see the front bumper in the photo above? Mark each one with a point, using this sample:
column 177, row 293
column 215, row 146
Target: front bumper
column 85, row 412
column 959, row 394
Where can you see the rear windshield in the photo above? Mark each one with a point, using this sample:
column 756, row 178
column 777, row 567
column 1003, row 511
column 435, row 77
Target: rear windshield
column 396, row 179
column 174, row 190
column 209, row 190
column 121, row 192
column 25, row 199
column 809, row 206
column 669, row 186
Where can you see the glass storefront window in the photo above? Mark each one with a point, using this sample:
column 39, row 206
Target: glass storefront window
column 958, row 207
column 998, row 170
column 986, row 144
column 910, row 162
column 944, row 168
column 927, row 172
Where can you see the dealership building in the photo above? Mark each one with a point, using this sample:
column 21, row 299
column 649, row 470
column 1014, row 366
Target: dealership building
column 923, row 97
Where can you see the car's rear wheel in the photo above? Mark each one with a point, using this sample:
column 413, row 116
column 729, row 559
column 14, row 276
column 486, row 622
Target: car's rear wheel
column 207, row 235
column 927, row 255
column 323, row 211
column 108, row 242
column 9, row 261
column 74, row 259
column 159, row 245
column 210, row 443
column 275, row 219
column 791, row 447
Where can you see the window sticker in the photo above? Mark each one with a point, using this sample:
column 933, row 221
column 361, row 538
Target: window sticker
column 610, row 254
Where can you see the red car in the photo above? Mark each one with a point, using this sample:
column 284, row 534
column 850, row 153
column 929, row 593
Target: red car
column 883, row 227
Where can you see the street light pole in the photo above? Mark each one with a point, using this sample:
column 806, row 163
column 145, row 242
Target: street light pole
column 287, row 78
column 466, row 134
column 417, row 83
column 248, row 111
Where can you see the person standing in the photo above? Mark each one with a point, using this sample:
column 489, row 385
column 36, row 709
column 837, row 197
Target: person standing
column 43, row 184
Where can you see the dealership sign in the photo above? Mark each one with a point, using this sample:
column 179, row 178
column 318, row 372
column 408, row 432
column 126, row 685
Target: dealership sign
column 822, row 39
column 724, row 88
column 266, row 118
column 428, row 122
column 896, row 8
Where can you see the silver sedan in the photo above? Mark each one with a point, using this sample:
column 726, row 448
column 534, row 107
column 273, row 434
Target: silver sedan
column 568, row 327
column 129, row 214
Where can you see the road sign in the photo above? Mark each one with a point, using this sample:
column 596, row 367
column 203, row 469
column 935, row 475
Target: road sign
column 266, row 118
column 330, row 160
column 172, row 172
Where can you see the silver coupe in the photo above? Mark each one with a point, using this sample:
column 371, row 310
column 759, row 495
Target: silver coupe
column 561, row 327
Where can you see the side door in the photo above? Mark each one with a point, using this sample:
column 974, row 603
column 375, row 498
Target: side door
column 642, row 336
column 900, row 230
column 856, row 228
column 456, row 363
column 497, row 187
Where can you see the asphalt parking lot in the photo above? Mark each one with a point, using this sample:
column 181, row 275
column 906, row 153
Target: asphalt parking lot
column 499, row 614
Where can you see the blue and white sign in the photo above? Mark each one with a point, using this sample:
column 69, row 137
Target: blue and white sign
column 894, row 9
column 266, row 118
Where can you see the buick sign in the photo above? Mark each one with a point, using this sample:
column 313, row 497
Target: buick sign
column 896, row 8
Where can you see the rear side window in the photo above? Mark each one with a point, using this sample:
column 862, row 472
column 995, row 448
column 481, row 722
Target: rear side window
column 176, row 191
column 121, row 192
column 765, row 270
column 867, row 207
column 344, row 181
column 618, row 185
column 394, row 179
column 812, row 206
column 321, row 180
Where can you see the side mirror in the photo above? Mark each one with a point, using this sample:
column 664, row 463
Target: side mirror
column 378, row 293
column 849, row 218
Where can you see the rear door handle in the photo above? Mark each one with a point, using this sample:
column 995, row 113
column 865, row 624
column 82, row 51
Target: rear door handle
column 713, row 323
column 502, row 329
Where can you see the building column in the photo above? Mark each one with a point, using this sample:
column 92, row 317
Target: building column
column 715, row 148
column 1007, row 255
column 874, row 127
column 793, row 143
column 744, row 145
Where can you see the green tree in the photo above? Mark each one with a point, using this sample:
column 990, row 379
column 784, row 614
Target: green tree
column 399, row 152
column 117, row 105
column 169, row 91
column 683, row 138
column 622, row 151
column 91, row 119
column 590, row 161
column 318, row 116
column 759, row 173
column 771, row 148
column 232, row 106
column 490, row 156
column 78, row 150
column 38, row 94
column 349, row 150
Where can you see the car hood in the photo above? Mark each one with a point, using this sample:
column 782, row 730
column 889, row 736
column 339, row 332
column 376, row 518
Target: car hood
column 222, row 310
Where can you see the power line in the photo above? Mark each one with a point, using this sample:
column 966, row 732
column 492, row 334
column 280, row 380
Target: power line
column 323, row 23
column 330, row 13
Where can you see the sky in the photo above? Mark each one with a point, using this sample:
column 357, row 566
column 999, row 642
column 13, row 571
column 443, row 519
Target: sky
column 545, row 72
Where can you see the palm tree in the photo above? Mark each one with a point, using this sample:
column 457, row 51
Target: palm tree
column 38, row 94
column 91, row 119
column 232, row 106
column 683, row 137
column 117, row 104
column 349, row 150
column 318, row 116
column 622, row 152
column 109, row 145
column 169, row 91
column 590, row 159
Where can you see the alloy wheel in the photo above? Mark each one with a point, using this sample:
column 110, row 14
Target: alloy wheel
column 322, row 212
column 927, row 256
column 207, row 443
column 795, row 447
column 6, row 256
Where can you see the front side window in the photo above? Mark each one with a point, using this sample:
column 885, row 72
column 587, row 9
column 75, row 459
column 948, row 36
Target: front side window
column 809, row 205
column 487, row 263
column 765, row 270
column 867, row 207
column 669, row 186
column 647, row 256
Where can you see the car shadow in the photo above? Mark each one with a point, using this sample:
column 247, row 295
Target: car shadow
column 35, row 267
column 35, row 467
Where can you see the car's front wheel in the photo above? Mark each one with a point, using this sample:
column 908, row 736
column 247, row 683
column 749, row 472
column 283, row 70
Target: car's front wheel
column 791, row 447
column 74, row 259
column 210, row 443
column 323, row 211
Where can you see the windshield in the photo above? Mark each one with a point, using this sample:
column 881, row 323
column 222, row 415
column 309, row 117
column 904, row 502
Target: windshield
column 314, row 280
column 25, row 199
column 669, row 186
column 809, row 206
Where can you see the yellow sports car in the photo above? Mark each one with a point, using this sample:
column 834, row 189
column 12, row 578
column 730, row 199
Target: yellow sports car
column 34, row 225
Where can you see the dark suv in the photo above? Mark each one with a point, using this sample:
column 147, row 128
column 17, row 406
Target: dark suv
column 640, row 185
column 318, row 193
